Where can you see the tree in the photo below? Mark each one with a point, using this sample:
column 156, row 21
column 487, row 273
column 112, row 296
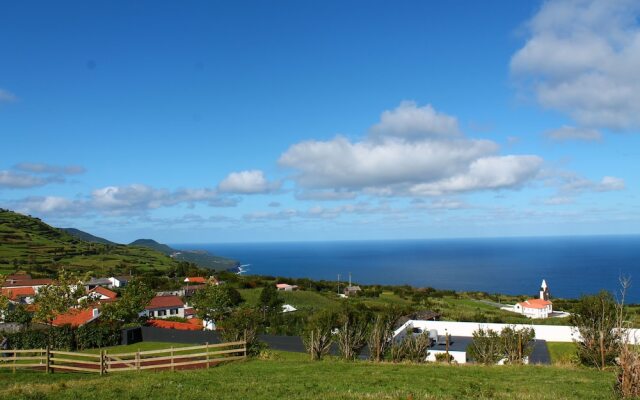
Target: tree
column 381, row 334
column 242, row 324
column 353, row 329
column 270, row 301
column 214, row 302
column 317, row 337
column 517, row 343
column 413, row 348
column 59, row 297
column 135, row 296
column 486, row 347
column 595, row 318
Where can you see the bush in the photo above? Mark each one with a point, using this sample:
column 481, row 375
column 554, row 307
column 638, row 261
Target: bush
column 98, row 335
column 318, row 334
column 486, row 347
column 444, row 358
column 242, row 324
column 413, row 348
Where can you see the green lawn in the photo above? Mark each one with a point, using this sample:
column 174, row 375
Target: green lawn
column 562, row 353
column 293, row 376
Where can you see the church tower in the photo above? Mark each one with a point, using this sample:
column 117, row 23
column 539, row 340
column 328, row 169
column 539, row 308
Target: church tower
column 544, row 291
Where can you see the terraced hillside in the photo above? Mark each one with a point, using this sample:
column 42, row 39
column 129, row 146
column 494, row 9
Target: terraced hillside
column 28, row 244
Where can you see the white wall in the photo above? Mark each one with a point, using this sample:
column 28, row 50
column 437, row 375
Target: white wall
column 550, row 333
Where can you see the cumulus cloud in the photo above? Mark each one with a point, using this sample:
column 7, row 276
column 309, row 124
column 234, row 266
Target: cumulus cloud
column 435, row 159
column 409, row 121
column 7, row 97
column 582, row 57
column 567, row 133
column 247, row 182
column 42, row 168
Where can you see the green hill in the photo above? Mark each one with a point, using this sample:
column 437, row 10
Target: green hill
column 28, row 244
column 201, row 258
column 87, row 237
column 152, row 244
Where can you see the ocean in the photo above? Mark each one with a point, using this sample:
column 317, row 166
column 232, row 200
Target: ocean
column 572, row 266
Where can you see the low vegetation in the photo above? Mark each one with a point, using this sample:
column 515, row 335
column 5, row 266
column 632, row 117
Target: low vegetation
column 288, row 375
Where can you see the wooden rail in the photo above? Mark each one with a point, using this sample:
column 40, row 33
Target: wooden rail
column 172, row 358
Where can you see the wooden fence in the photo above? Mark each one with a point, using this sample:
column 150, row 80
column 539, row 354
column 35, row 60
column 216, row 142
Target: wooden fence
column 172, row 359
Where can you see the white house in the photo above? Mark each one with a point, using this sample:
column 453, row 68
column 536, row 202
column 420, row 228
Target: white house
column 286, row 287
column 119, row 281
column 164, row 307
column 536, row 308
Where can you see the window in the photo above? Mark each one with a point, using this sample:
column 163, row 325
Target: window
column 162, row 313
column 173, row 311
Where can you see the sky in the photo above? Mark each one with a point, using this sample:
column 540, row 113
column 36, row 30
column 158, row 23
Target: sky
column 245, row 121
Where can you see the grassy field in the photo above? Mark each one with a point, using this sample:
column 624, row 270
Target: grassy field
column 29, row 244
column 289, row 375
column 562, row 353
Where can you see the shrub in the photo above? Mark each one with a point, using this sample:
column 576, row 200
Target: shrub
column 444, row 358
column 317, row 337
column 485, row 347
column 352, row 333
column 242, row 324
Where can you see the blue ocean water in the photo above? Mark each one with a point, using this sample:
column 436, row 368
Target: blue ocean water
column 571, row 265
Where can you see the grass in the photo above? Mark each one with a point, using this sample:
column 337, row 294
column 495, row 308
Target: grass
column 290, row 375
column 302, row 300
column 562, row 353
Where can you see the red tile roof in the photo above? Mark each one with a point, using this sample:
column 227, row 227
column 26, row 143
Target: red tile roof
column 193, row 324
column 195, row 279
column 164, row 302
column 535, row 303
column 105, row 292
column 75, row 317
column 16, row 293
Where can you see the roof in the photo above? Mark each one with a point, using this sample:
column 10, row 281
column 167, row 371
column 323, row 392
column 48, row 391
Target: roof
column 195, row 279
column 352, row 288
column 193, row 324
column 164, row 302
column 105, row 292
column 16, row 293
column 535, row 303
column 98, row 281
column 27, row 282
column 76, row 317
column 284, row 285
column 189, row 311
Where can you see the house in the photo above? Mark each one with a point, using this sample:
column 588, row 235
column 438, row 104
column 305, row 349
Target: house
column 188, row 291
column 25, row 280
column 202, row 280
column 120, row 281
column 101, row 294
column 76, row 317
column 21, row 288
column 164, row 307
column 541, row 307
column 352, row 290
column 286, row 287
column 23, row 295
column 95, row 282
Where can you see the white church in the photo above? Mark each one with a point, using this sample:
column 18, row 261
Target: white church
column 536, row 308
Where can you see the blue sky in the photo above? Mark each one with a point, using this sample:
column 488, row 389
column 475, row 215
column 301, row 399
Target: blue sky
column 289, row 120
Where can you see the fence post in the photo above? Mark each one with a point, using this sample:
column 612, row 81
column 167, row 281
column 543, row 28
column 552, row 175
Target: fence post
column 48, row 360
column 101, row 362
column 14, row 361
column 138, row 360
column 207, row 351
column 172, row 367
column 245, row 343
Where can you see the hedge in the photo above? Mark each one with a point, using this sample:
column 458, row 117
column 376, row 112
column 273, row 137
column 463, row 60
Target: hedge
column 66, row 338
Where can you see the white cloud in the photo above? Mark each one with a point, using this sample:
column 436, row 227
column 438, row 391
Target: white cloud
column 42, row 168
column 50, row 205
column 566, row 133
column 247, row 182
column 7, row 97
column 326, row 195
column 583, row 58
column 409, row 121
column 17, row 180
column 392, row 161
